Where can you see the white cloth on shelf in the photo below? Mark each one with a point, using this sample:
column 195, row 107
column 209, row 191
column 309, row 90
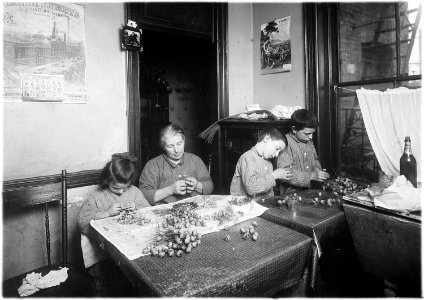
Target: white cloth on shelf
column 284, row 112
column 34, row 282
column 400, row 196
column 389, row 116
column 253, row 107
column 254, row 116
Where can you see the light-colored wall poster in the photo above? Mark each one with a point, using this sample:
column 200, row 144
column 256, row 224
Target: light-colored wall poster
column 275, row 46
column 44, row 52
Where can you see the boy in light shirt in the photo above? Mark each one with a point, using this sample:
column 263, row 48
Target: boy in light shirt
column 301, row 154
column 254, row 175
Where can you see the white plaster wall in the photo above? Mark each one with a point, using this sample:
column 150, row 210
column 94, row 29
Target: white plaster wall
column 279, row 88
column 240, row 86
column 43, row 138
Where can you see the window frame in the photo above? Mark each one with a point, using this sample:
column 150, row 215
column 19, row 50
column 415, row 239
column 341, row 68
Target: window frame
column 322, row 69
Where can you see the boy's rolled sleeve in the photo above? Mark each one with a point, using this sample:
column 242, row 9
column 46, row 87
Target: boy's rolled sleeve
column 300, row 178
column 316, row 162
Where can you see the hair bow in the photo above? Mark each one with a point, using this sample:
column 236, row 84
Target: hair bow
column 124, row 155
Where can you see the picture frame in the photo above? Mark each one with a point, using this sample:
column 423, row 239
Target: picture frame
column 275, row 46
column 131, row 38
column 48, row 52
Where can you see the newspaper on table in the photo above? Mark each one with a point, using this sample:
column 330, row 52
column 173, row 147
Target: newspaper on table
column 214, row 213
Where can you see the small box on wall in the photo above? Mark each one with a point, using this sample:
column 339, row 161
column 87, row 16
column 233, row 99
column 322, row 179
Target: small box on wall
column 131, row 37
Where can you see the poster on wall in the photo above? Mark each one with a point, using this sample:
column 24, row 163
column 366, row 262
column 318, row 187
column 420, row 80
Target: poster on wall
column 44, row 52
column 275, row 46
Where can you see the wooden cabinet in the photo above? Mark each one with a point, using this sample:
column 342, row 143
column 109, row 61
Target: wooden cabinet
column 194, row 19
column 238, row 136
column 388, row 245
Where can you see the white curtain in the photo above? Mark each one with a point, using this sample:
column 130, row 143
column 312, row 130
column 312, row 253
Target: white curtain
column 388, row 117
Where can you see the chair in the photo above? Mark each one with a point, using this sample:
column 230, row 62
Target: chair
column 209, row 166
column 77, row 284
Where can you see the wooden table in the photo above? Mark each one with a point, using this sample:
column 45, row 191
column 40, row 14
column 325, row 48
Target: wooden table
column 238, row 267
column 326, row 225
column 321, row 222
column 388, row 245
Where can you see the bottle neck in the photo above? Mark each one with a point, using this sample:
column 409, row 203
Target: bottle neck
column 407, row 149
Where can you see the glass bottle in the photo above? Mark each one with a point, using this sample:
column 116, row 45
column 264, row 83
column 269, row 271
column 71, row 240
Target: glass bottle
column 408, row 164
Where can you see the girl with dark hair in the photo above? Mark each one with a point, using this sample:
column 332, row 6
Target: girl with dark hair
column 114, row 194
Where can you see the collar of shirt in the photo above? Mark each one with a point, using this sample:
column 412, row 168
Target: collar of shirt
column 256, row 151
column 172, row 163
column 294, row 138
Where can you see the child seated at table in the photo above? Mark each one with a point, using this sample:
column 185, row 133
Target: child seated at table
column 255, row 176
column 114, row 194
column 301, row 154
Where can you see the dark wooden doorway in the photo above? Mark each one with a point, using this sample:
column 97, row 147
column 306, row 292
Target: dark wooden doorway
column 180, row 77
column 177, row 85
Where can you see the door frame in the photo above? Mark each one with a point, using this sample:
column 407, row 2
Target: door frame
column 321, row 46
column 219, row 38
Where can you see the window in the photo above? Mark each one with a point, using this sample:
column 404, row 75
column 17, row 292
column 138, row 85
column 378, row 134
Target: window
column 369, row 45
column 367, row 41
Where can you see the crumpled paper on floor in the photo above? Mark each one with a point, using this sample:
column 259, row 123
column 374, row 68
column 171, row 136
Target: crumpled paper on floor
column 34, row 282
column 400, row 196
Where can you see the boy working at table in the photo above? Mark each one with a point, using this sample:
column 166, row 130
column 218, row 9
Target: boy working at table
column 254, row 175
column 301, row 154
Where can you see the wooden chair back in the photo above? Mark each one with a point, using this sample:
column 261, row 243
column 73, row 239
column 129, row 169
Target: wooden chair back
column 209, row 165
column 15, row 198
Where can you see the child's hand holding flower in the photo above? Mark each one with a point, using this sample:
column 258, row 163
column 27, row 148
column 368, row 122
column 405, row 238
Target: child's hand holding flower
column 115, row 209
column 129, row 206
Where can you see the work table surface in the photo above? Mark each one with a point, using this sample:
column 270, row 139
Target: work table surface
column 217, row 267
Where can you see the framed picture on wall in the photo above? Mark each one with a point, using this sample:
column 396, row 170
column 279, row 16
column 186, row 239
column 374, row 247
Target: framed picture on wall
column 131, row 38
column 44, row 52
column 276, row 46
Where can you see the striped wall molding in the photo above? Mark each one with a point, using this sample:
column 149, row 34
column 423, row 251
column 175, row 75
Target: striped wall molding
column 74, row 180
